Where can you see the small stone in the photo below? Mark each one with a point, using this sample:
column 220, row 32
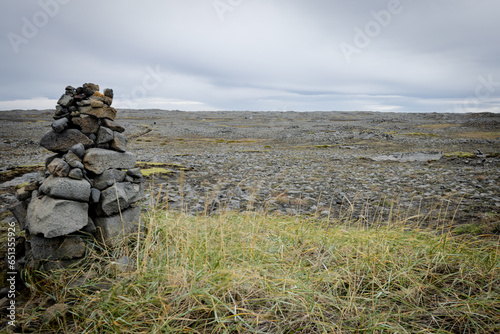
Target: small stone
column 119, row 142
column 87, row 124
column 104, row 135
column 58, row 167
column 90, row 227
column 78, row 149
column 73, row 160
column 96, row 103
column 119, row 197
column 79, row 97
column 113, row 125
column 98, row 95
column 65, row 101
column 55, row 312
column 108, row 178
column 108, row 92
column 89, row 88
column 60, row 125
column 76, row 174
column 135, row 173
column 22, row 194
column 122, row 265
column 95, row 196
column 107, row 100
column 20, row 211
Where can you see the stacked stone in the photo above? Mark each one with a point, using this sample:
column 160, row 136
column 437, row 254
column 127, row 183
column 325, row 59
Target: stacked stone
column 91, row 185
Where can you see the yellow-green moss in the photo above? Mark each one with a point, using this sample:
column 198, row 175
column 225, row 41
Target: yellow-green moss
column 460, row 155
column 421, row 134
column 156, row 171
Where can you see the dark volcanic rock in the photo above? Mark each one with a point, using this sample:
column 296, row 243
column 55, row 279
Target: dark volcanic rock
column 60, row 125
column 55, row 217
column 87, row 124
column 97, row 160
column 58, row 167
column 60, row 248
column 119, row 142
column 104, row 112
column 112, row 125
column 62, row 142
column 111, row 229
column 66, row 188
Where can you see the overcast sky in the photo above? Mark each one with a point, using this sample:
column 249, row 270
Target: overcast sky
column 277, row 55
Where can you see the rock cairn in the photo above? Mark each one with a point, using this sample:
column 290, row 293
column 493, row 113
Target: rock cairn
column 90, row 187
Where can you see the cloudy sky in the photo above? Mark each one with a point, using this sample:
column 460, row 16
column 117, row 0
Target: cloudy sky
column 277, row 55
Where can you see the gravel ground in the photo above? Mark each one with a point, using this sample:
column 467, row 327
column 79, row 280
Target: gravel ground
column 363, row 167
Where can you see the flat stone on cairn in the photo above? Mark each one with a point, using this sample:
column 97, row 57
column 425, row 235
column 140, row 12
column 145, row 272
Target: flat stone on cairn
column 91, row 184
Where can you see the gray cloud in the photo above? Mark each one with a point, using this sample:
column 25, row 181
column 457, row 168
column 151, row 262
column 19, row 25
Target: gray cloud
column 438, row 55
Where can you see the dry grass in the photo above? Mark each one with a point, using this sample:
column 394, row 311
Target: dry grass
column 258, row 273
column 479, row 135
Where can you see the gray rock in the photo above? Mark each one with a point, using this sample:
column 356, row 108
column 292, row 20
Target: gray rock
column 95, row 196
column 90, row 88
column 113, row 125
column 23, row 194
column 58, row 167
column 90, row 227
column 135, row 173
column 122, row 265
column 87, row 124
column 119, row 142
column 54, row 312
column 60, row 125
column 111, row 230
column 97, row 160
column 20, row 211
column 104, row 112
column 95, row 103
column 119, row 197
column 104, row 135
column 60, row 248
column 66, row 188
column 78, row 149
column 108, row 178
column 62, row 142
column 55, row 217
column 76, row 174
column 65, row 101
column 108, row 92
column 73, row 160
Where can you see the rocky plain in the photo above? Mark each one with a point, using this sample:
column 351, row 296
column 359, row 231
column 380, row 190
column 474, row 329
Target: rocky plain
column 367, row 168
